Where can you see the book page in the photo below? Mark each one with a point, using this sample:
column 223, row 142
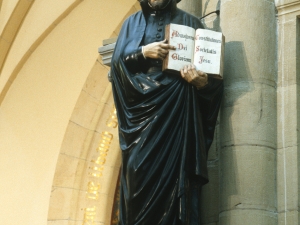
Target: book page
column 182, row 37
column 208, row 51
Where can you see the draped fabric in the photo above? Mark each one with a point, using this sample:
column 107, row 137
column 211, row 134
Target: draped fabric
column 166, row 127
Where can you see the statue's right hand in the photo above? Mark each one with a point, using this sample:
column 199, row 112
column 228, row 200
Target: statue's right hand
column 157, row 50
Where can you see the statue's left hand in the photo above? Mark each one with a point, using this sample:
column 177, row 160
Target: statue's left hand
column 194, row 77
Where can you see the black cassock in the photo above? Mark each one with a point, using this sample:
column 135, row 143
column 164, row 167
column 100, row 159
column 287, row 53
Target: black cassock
column 166, row 127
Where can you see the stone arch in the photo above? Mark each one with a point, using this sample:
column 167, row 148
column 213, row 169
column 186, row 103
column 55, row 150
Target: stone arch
column 81, row 191
column 11, row 28
column 46, row 70
column 85, row 181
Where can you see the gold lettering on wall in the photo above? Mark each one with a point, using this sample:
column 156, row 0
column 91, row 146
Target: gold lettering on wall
column 89, row 216
column 103, row 148
column 93, row 190
column 96, row 168
column 113, row 119
column 97, row 171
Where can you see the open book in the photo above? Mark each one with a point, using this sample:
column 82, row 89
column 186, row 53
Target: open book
column 203, row 48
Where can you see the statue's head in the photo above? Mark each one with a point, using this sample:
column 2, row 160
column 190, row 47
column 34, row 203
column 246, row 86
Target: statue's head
column 158, row 4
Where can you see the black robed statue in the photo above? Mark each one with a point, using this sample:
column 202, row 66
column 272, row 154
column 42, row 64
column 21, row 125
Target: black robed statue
column 166, row 122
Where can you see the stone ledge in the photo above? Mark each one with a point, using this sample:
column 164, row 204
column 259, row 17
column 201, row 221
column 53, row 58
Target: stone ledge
column 288, row 8
column 106, row 52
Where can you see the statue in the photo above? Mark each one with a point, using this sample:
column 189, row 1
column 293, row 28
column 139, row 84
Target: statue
column 166, row 122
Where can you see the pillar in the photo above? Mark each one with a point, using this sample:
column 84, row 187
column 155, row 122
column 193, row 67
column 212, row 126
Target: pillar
column 248, row 134
column 288, row 157
column 193, row 7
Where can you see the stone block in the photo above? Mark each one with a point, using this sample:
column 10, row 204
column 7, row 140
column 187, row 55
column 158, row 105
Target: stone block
column 290, row 218
column 248, row 116
column 75, row 140
column 248, row 217
column 108, row 181
column 101, row 207
column 249, row 53
column 68, row 172
column 191, row 7
column 101, row 169
column 60, row 204
column 85, row 110
column 107, row 52
column 107, row 121
column 247, row 178
column 113, row 153
column 282, row 3
column 287, row 56
column 97, row 81
column 211, row 21
column 93, row 146
column 287, row 119
column 288, row 179
column 210, row 7
column 80, row 201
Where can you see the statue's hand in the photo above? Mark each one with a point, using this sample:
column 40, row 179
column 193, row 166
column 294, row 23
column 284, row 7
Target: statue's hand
column 196, row 78
column 157, row 50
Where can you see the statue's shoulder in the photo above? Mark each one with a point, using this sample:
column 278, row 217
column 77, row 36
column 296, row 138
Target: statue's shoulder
column 135, row 17
column 134, row 24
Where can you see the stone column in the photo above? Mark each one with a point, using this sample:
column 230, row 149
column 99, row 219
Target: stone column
column 193, row 7
column 248, row 115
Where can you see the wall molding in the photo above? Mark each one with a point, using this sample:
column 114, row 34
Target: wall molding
column 12, row 28
column 289, row 8
column 33, row 47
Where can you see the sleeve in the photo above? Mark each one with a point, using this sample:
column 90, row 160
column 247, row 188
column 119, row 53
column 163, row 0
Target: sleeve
column 128, row 47
column 135, row 60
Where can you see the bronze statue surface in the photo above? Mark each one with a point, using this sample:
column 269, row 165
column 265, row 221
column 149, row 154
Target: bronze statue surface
column 166, row 125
